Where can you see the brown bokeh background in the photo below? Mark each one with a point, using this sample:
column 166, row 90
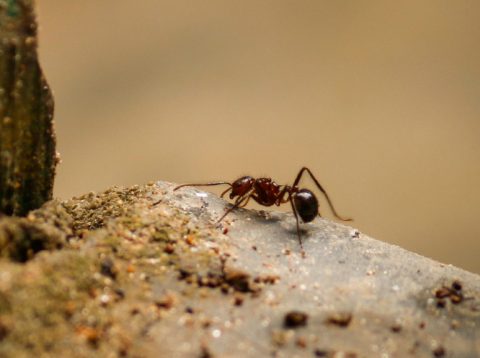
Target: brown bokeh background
column 381, row 99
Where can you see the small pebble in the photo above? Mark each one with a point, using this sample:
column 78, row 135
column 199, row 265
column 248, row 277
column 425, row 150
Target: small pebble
column 295, row 319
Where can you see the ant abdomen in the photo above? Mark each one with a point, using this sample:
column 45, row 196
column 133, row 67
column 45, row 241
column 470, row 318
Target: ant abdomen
column 306, row 204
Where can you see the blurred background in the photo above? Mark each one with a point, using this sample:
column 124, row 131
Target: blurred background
column 380, row 99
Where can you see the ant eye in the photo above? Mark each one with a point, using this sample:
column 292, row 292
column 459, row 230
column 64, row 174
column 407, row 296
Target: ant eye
column 306, row 204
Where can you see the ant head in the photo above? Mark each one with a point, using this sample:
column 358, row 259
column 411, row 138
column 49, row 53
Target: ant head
column 306, row 204
column 241, row 186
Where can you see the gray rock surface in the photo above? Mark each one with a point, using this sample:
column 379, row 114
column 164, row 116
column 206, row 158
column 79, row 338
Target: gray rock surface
column 146, row 272
column 363, row 297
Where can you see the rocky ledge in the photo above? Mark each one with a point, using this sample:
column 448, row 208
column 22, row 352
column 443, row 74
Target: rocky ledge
column 146, row 272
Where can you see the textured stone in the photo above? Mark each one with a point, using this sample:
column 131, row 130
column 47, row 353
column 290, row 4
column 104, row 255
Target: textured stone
column 147, row 272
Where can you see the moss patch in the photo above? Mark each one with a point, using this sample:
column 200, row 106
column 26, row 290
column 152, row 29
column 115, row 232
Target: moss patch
column 88, row 276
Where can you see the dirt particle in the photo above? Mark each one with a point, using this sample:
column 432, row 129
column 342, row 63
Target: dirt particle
column 119, row 293
column 396, row 328
column 190, row 240
column 206, row 323
column 355, row 234
column 281, row 337
column 301, row 342
column 169, row 249
column 457, row 285
column 3, row 331
column 90, row 334
column 442, row 292
column 441, row 303
column 341, row 319
column 454, row 293
column 225, row 288
column 189, row 310
column 439, row 352
column 239, row 280
column 205, row 352
column 267, row 279
column 456, row 298
column 123, row 352
column 156, row 203
column 332, row 353
column 167, row 301
column 107, row 268
column 320, row 353
column 295, row 319
column 70, row 308
column 454, row 324
column 238, row 300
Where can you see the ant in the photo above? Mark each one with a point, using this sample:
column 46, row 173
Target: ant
column 267, row 193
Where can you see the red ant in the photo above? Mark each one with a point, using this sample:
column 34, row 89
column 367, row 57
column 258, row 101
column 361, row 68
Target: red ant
column 267, row 193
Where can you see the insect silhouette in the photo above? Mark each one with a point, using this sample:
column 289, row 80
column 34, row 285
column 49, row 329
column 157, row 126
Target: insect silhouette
column 267, row 193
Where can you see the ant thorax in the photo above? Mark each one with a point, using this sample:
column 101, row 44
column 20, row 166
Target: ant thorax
column 266, row 191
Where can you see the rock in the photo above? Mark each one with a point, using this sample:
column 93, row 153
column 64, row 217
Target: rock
column 145, row 271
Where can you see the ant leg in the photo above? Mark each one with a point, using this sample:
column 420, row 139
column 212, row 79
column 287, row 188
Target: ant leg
column 238, row 202
column 246, row 202
column 204, row 184
column 330, row 204
column 281, row 197
column 225, row 192
column 294, row 209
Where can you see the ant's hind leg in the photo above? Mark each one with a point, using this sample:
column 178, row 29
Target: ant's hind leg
column 324, row 192
column 299, row 176
column 294, row 209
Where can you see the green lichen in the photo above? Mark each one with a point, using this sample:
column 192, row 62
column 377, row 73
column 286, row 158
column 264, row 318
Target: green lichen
column 35, row 314
column 13, row 8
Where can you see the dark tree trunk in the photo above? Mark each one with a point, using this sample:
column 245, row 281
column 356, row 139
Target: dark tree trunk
column 27, row 140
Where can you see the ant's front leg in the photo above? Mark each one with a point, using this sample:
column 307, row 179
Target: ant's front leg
column 225, row 192
column 240, row 200
column 294, row 209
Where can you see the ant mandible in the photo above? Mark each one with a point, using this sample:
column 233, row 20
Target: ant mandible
column 267, row 193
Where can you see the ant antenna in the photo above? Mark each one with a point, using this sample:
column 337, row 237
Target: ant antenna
column 205, row 184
